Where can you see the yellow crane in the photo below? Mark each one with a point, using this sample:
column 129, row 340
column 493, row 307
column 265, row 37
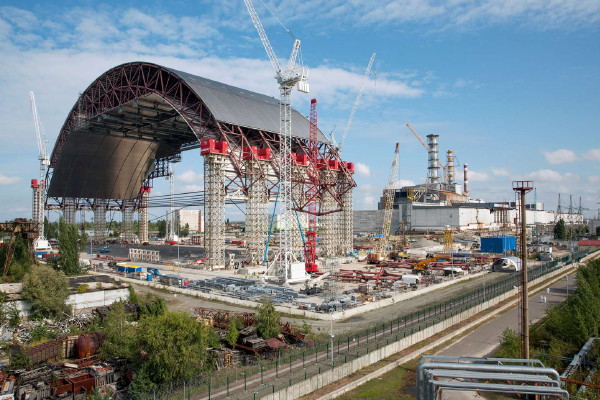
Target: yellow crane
column 377, row 254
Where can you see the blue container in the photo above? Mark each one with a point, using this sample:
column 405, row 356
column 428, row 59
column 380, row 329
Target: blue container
column 149, row 277
column 498, row 244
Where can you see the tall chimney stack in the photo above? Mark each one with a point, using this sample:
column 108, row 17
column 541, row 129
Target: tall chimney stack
column 466, row 180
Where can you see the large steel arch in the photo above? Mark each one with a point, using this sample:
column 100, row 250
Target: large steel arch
column 137, row 114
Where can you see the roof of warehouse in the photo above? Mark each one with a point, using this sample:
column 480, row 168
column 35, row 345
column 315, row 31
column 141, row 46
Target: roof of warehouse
column 589, row 243
column 244, row 108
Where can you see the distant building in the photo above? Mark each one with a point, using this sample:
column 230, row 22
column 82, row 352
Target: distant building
column 193, row 218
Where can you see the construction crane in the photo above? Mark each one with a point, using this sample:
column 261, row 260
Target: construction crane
column 440, row 164
column 354, row 106
column 286, row 78
column 377, row 255
column 39, row 186
column 310, row 245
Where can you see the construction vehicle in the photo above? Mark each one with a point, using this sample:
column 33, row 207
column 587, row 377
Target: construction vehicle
column 423, row 265
column 377, row 255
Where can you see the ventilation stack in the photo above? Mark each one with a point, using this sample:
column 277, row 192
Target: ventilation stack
column 466, row 180
column 433, row 162
column 450, row 169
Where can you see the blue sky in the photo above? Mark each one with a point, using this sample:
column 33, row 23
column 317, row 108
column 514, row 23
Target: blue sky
column 512, row 86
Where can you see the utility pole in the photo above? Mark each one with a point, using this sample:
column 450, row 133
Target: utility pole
column 523, row 187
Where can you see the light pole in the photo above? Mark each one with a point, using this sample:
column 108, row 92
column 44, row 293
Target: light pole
column 567, row 286
column 331, row 335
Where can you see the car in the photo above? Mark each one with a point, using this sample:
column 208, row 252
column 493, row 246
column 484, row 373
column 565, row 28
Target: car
column 104, row 250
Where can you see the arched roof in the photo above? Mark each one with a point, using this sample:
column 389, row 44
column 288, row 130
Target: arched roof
column 140, row 112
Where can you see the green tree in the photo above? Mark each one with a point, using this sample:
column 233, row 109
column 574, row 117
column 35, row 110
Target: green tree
column 152, row 305
column 560, row 230
column 50, row 229
column 185, row 231
column 21, row 260
column 267, row 320
column 233, row 332
column 46, row 289
column 69, row 250
column 174, row 347
column 119, row 334
column 162, row 228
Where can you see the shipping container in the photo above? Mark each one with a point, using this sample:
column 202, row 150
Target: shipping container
column 498, row 244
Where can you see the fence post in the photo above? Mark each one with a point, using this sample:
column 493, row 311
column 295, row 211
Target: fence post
column 303, row 358
column 348, row 343
column 227, row 385
column 245, row 383
column 277, row 366
column 261, row 375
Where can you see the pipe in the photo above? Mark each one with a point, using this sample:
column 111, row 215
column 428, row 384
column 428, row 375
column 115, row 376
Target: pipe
column 466, row 180
column 498, row 388
column 479, row 360
column 450, row 169
column 479, row 367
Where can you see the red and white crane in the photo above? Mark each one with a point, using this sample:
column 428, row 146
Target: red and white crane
column 39, row 186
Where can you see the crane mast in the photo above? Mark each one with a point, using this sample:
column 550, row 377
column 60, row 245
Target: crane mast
column 388, row 206
column 287, row 79
column 356, row 102
column 39, row 186
column 310, row 245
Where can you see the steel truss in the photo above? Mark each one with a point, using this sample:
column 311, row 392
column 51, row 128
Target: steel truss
column 70, row 210
column 108, row 107
column 257, row 217
column 128, row 233
column 143, row 216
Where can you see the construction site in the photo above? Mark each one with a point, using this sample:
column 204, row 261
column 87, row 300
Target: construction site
column 431, row 254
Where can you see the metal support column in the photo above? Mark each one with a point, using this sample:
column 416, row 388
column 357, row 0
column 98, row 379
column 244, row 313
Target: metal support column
column 69, row 210
column 257, row 217
column 522, row 187
column 328, row 221
column 128, row 234
column 347, row 224
column 214, row 210
column 143, row 216
column 99, row 221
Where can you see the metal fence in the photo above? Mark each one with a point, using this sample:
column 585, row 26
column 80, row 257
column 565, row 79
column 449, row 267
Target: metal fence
column 292, row 366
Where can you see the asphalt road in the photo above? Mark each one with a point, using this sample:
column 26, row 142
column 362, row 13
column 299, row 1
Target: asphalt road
column 484, row 340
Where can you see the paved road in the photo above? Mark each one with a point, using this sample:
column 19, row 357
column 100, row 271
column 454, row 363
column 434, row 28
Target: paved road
column 484, row 340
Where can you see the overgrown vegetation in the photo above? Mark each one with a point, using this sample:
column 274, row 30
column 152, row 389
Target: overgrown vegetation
column 21, row 261
column 46, row 290
column 68, row 262
column 267, row 320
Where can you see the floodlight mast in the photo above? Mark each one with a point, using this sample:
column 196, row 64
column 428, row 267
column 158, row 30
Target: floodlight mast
column 287, row 79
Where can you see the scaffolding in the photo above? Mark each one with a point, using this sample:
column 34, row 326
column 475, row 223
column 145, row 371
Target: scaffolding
column 329, row 232
column 143, row 215
column 69, row 210
column 257, row 217
column 38, row 207
column 128, row 209
column 99, row 221
column 214, row 213
column 347, row 224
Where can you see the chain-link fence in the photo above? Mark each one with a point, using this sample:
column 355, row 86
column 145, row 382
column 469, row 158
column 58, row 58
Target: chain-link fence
column 291, row 366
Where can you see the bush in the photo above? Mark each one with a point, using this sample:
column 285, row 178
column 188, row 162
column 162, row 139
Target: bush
column 82, row 288
column 46, row 290
column 267, row 321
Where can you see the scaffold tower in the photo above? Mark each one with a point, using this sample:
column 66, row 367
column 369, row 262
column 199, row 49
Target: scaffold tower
column 70, row 210
column 214, row 215
column 128, row 209
column 143, row 214
column 329, row 232
column 99, row 221
column 257, row 217
column 347, row 224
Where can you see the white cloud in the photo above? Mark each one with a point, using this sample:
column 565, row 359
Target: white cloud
column 593, row 179
column 592, row 154
column 500, row 171
column 551, row 176
column 560, row 156
column 8, row 180
column 189, row 176
column 478, row 176
column 362, row 170
column 403, row 182
column 193, row 188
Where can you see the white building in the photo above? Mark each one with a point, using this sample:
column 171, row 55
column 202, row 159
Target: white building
column 194, row 219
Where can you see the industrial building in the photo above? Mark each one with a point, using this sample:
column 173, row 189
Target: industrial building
column 192, row 218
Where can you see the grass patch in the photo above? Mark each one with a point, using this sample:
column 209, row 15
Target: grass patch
column 392, row 385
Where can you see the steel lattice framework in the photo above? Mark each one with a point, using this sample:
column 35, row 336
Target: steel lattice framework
column 149, row 105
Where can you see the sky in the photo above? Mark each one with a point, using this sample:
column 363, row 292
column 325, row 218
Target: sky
column 512, row 86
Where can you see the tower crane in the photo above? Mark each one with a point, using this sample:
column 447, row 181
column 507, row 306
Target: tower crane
column 388, row 205
column 287, row 78
column 310, row 245
column 39, row 186
column 354, row 106
column 440, row 164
